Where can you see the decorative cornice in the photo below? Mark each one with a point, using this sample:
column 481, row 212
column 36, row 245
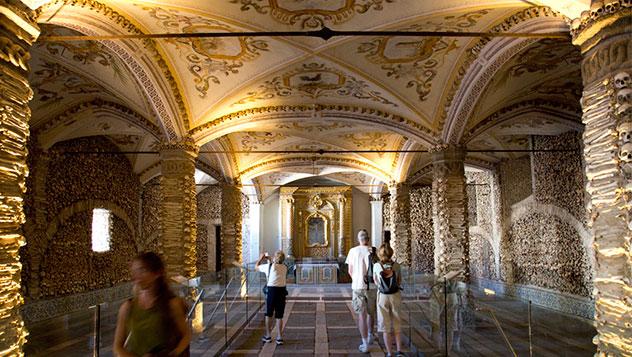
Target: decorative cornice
column 327, row 159
column 186, row 144
column 149, row 44
column 411, row 128
column 474, row 52
column 126, row 113
column 562, row 111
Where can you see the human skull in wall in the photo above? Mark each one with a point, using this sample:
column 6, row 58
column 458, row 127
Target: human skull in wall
column 622, row 80
column 625, row 132
column 625, row 153
column 624, row 96
column 611, row 5
column 625, row 111
column 596, row 9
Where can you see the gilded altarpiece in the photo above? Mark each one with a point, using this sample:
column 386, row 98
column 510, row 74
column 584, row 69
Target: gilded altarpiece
column 316, row 221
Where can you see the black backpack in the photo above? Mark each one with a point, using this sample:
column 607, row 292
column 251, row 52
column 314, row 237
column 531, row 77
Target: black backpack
column 371, row 259
column 388, row 280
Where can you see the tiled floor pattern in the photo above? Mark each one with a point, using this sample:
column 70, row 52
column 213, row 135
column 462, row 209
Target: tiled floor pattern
column 313, row 327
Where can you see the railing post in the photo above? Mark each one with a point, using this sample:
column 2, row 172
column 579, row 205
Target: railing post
column 530, row 341
column 97, row 330
column 445, row 314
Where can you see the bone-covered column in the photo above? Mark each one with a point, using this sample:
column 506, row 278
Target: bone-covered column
column 18, row 31
column 400, row 221
column 178, row 207
column 449, row 211
column 232, row 250
column 605, row 39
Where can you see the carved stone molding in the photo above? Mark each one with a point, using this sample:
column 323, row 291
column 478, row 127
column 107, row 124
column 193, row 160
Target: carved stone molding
column 449, row 210
column 342, row 113
column 270, row 165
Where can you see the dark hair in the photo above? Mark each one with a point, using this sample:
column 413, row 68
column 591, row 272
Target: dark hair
column 152, row 262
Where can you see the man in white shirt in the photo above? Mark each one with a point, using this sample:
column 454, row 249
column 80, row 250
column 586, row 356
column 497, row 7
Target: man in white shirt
column 364, row 293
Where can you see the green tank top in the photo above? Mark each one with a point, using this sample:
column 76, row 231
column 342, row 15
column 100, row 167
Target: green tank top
column 147, row 330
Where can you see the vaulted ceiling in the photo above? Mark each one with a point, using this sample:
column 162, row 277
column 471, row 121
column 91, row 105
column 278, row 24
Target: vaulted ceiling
column 362, row 93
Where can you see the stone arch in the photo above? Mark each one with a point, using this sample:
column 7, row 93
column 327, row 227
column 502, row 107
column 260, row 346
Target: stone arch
column 273, row 165
column 252, row 118
column 485, row 59
column 163, row 91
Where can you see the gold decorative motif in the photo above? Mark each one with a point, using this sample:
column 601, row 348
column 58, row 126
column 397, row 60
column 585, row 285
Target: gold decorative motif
column 54, row 82
column 254, row 139
column 314, row 80
column 211, row 56
column 544, row 56
column 296, row 125
column 311, row 14
column 316, row 202
column 417, row 60
column 83, row 52
column 368, row 141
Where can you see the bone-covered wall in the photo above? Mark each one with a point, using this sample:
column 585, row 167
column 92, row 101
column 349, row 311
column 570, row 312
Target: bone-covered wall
column 209, row 206
column 481, row 213
column 63, row 190
column 422, row 233
column 545, row 243
column 150, row 224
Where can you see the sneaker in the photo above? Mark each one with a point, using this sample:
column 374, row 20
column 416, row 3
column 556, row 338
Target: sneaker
column 399, row 354
column 371, row 338
column 279, row 341
column 388, row 355
column 363, row 348
column 266, row 339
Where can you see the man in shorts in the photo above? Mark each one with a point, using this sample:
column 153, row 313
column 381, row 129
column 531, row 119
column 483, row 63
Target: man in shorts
column 364, row 291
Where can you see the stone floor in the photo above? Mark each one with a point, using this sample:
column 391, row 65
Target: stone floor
column 319, row 321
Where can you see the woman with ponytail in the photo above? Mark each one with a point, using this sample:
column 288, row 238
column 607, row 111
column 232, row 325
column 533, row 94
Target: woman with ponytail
column 152, row 322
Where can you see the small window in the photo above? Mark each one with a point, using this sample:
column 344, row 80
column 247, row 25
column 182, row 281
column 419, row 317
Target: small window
column 100, row 230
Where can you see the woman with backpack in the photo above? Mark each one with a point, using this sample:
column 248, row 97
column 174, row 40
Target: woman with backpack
column 387, row 276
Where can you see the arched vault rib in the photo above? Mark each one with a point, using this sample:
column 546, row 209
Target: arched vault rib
column 484, row 60
column 278, row 164
column 163, row 90
column 251, row 118
column 96, row 107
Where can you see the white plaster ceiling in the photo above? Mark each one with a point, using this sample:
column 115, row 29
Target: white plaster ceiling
column 256, row 93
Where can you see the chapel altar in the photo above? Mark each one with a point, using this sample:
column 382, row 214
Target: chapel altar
column 315, row 230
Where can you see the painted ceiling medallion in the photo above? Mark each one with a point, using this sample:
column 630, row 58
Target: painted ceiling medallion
column 417, row 60
column 314, row 80
column 255, row 139
column 208, row 58
column 312, row 13
column 310, row 127
column 367, row 141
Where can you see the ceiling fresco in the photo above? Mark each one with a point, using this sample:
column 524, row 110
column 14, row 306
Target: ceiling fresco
column 379, row 93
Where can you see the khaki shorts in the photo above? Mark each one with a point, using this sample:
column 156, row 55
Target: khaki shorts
column 364, row 300
column 388, row 312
